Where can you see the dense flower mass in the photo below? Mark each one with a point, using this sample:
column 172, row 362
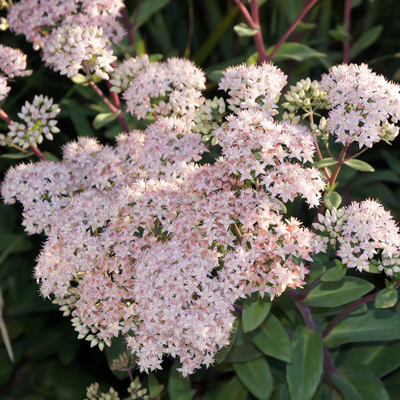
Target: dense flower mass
column 167, row 89
column 362, row 232
column 253, row 87
column 365, row 106
column 139, row 236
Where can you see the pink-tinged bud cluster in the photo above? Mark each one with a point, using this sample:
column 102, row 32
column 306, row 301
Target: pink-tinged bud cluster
column 365, row 106
column 179, row 80
column 257, row 147
column 4, row 89
column 253, row 87
column 13, row 62
column 69, row 49
column 363, row 232
column 38, row 122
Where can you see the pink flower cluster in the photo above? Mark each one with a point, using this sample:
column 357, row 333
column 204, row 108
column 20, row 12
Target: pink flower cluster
column 70, row 33
column 365, row 106
column 363, row 232
column 256, row 147
column 167, row 89
column 13, row 62
column 144, row 242
column 253, row 87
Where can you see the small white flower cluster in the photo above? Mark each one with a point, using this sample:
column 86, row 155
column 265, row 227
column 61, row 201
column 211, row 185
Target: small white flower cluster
column 365, row 106
column 166, row 89
column 362, row 232
column 70, row 33
column 123, row 75
column 69, row 49
column 38, row 122
column 253, row 87
column 13, row 62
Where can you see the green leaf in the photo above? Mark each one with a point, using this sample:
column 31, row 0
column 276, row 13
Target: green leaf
column 365, row 40
column 359, row 165
column 382, row 358
column 104, row 118
column 305, row 372
column 332, row 199
column 392, row 161
column 339, row 35
column 243, row 349
column 215, row 76
column 359, row 383
column 51, row 156
column 256, row 376
column 155, row 57
column 255, row 310
column 233, row 390
column 272, row 339
column 333, row 274
column 355, row 3
column 252, row 60
column 187, row 395
column 17, row 156
column 78, row 118
column 294, row 51
column 375, row 324
column 386, row 298
column 333, row 294
column 177, row 385
column 243, row 29
column 147, row 9
column 79, row 79
column 325, row 162
column 155, row 388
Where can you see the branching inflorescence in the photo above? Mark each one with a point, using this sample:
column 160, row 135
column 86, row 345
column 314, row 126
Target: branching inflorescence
column 146, row 242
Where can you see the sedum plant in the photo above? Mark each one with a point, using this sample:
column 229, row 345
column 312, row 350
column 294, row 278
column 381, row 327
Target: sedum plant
column 179, row 251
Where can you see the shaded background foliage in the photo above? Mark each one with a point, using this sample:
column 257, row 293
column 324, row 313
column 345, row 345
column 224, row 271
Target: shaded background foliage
column 50, row 363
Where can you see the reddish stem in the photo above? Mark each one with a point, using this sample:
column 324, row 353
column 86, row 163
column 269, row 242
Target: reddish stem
column 347, row 19
column 304, row 310
column 38, row 153
column 5, row 117
column 128, row 26
column 246, row 14
column 307, row 8
column 117, row 104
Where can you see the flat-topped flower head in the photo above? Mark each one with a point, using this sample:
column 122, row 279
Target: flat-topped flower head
column 124, row 74
column 256, row 147
column 365, row 106
column 253, row 87
column 363, row 233
column 13, row 62
column 171, row 88
column 37, row 18
column 38, row 122
column 71, row 48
